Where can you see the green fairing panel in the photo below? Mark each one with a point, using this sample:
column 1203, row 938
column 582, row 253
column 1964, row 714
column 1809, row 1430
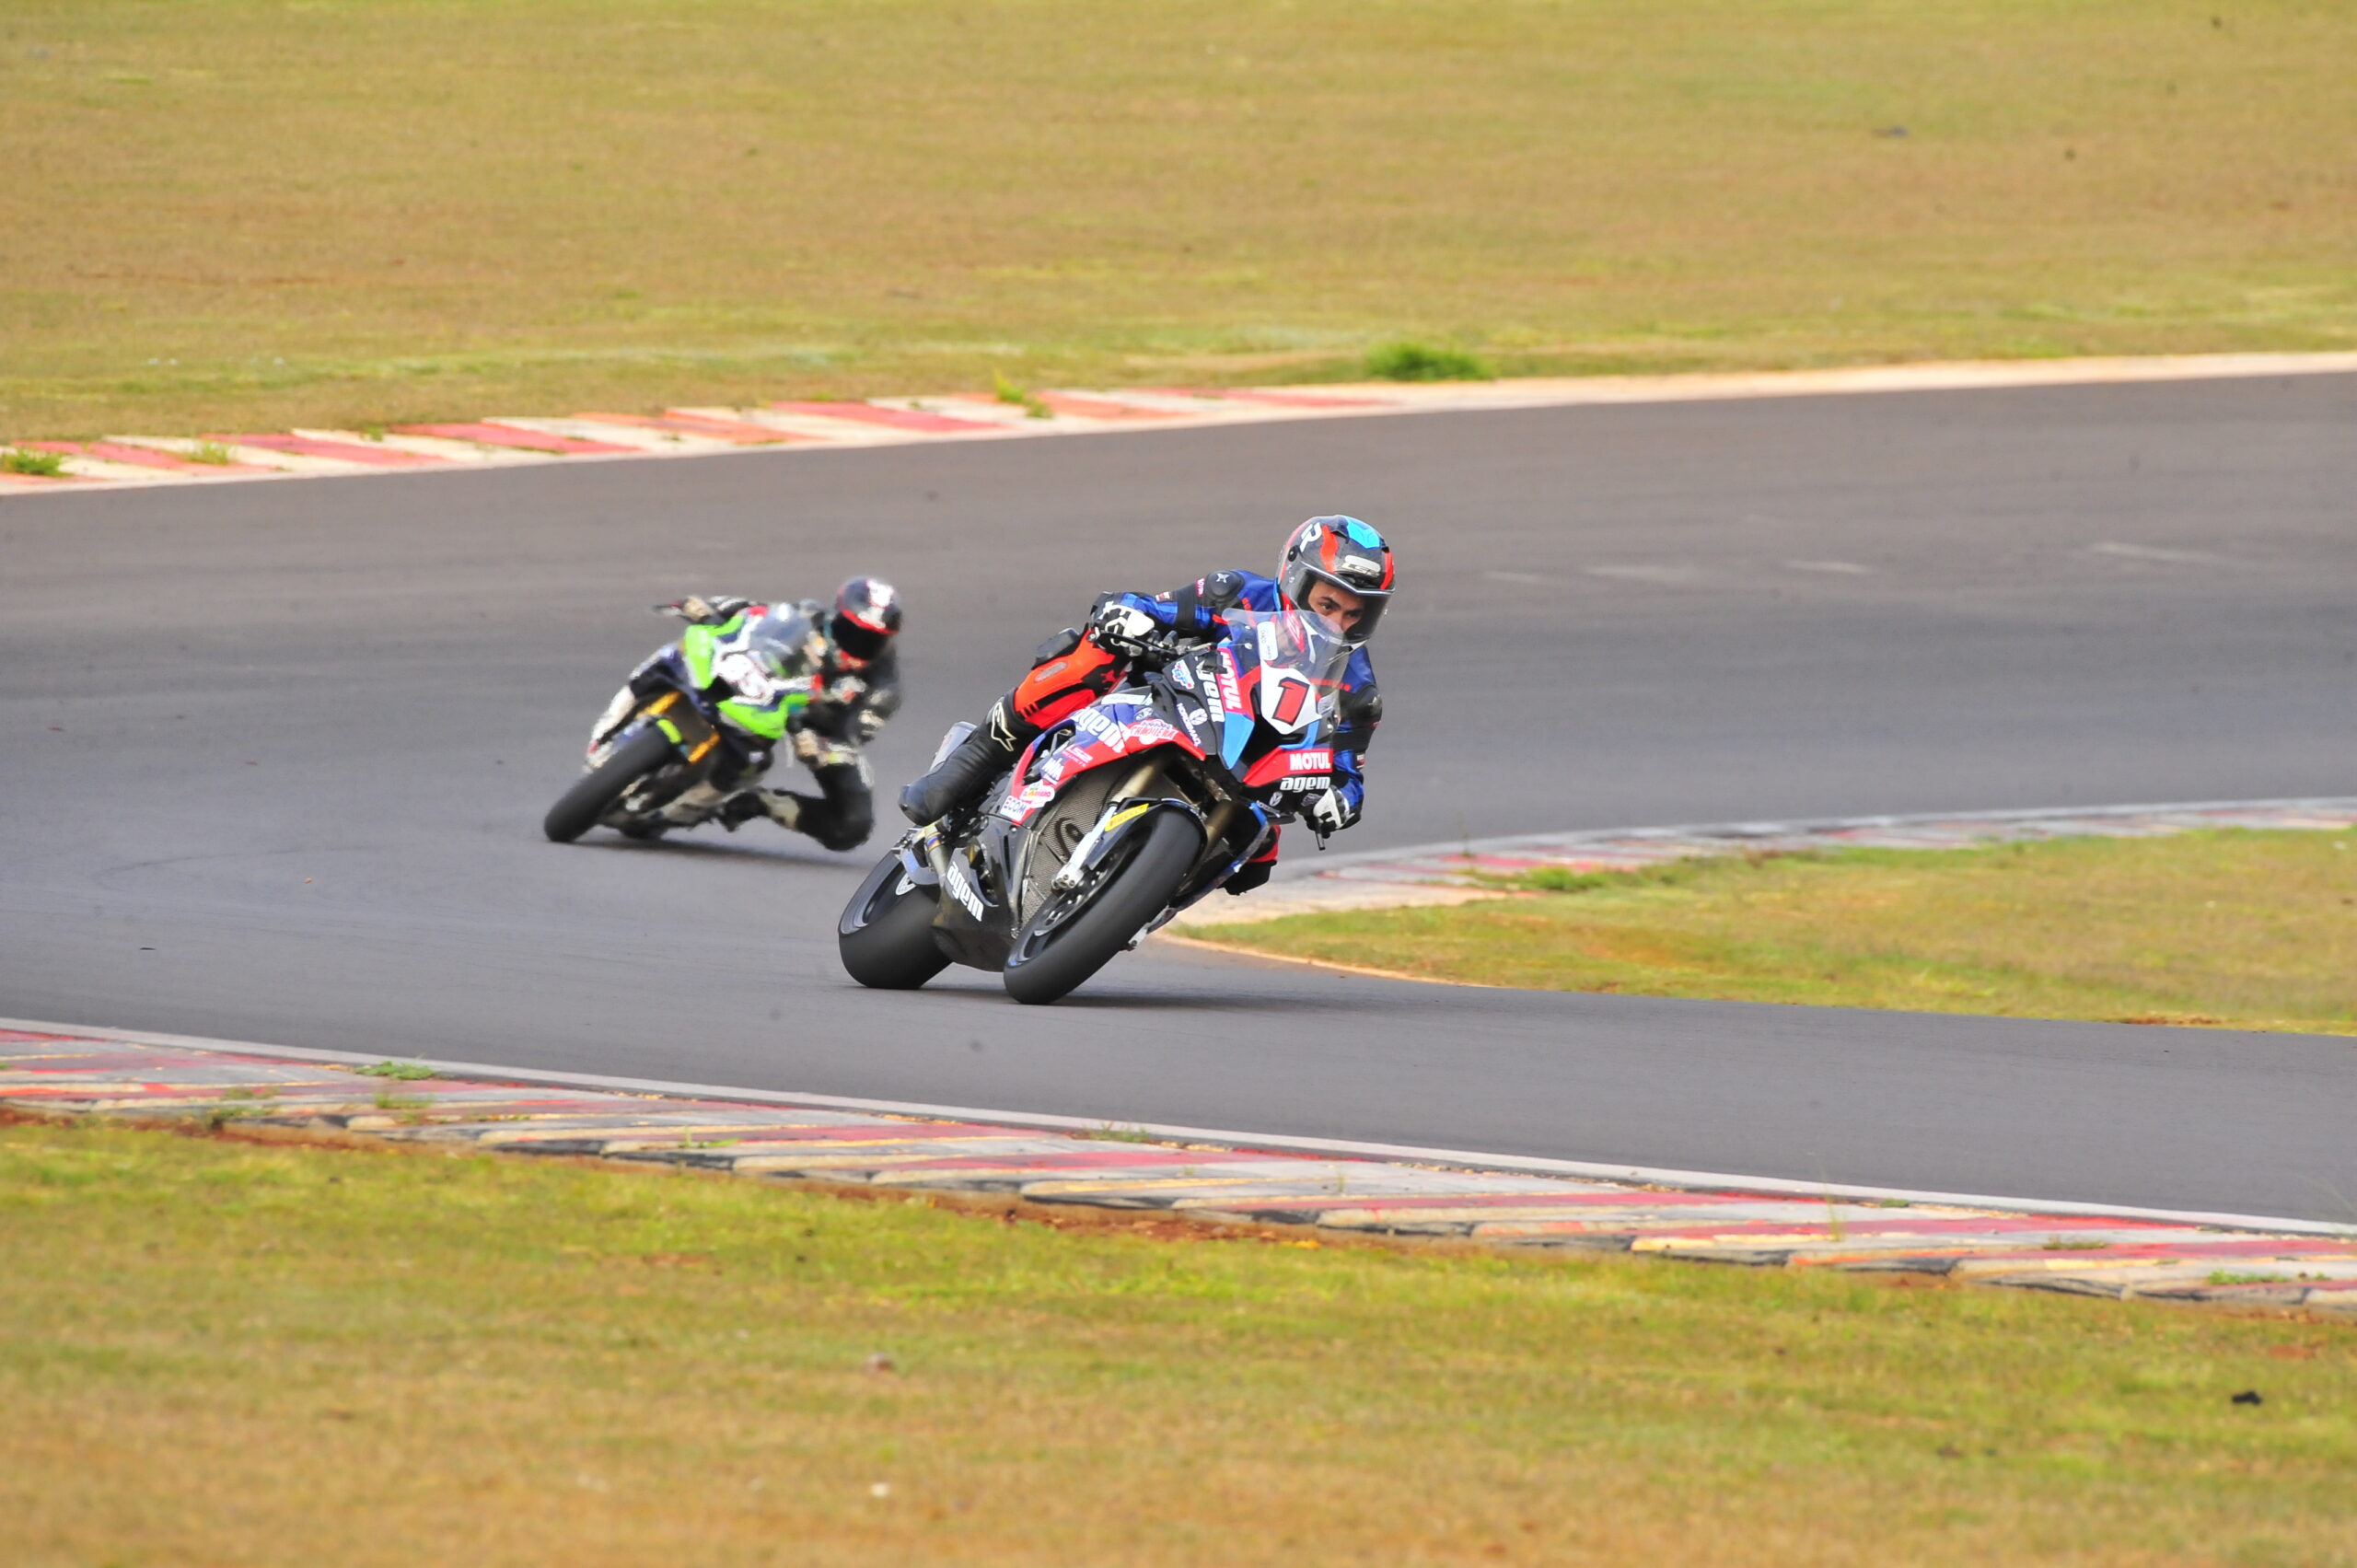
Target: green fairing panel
column 770, row 722
column 700, row 647
column 696, row 645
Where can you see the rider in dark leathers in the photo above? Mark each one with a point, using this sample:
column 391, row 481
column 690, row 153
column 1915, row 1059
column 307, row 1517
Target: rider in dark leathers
column 858, row 686
column 1336, row 567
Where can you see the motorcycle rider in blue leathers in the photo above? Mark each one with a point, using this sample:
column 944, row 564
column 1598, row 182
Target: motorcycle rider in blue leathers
column 1335, row 568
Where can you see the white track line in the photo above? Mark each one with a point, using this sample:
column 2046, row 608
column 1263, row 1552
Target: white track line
column 1465, row 1159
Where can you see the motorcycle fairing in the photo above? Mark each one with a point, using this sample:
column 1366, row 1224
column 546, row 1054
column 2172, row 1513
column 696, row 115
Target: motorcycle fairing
column 682, row 725
column 754, row 701
column 1119, row 725
column 1235, row 726
column 1056, row 810
column 1288, row 765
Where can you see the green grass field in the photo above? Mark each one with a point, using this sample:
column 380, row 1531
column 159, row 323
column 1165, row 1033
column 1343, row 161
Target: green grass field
column 2255, row 930
column 249, row 213
column 217, row 1350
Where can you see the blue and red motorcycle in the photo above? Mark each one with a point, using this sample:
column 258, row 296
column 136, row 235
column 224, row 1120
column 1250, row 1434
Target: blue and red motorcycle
column 1114, row 818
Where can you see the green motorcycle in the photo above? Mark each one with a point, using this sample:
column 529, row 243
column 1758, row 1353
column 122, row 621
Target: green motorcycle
column 696, row 722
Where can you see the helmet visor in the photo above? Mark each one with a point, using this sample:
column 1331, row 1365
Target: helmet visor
column 1351, row 614
column 862, row 642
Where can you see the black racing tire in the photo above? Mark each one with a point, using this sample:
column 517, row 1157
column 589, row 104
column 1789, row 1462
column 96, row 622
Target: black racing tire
column 593, row 793
column 1048, row 966
column 886, row 932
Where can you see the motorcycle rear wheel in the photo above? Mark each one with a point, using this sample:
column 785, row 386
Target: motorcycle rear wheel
column 886, row 932
column 1061, row 947
column 593, row 795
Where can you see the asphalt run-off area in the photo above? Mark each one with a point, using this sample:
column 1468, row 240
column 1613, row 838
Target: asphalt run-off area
column 279, row 753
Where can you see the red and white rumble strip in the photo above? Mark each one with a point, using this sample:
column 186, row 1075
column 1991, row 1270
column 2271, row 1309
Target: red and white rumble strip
column 121, row 460
column 1215, row 1177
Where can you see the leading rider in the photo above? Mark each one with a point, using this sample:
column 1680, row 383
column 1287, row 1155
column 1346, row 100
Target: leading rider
column 1338, row 569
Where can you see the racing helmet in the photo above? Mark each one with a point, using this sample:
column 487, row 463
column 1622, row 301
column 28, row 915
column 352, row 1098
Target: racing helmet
column 865, row 619
column 1345, row 553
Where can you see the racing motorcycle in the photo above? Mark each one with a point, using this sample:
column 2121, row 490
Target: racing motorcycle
column 1114, row 820
column 695, row 723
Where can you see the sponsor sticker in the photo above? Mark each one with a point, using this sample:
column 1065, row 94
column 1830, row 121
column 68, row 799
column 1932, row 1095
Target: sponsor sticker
column 968, row 897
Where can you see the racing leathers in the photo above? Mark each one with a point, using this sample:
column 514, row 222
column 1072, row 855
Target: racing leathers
column 849, row 701
column 1076, row 667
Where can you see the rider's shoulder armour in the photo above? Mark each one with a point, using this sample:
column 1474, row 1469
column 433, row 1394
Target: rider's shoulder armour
column 1195, row 605
column 1222, row 589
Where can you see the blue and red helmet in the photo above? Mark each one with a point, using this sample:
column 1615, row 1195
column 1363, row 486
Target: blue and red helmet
column 1343, row 553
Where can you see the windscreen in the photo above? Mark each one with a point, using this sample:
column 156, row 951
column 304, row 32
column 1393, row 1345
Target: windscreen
column 1301, row 664
column 784, row 641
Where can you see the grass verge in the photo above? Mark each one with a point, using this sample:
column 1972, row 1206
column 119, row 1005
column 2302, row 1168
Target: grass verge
column 2252, row 930
column 239, row 1348
column 255, row 214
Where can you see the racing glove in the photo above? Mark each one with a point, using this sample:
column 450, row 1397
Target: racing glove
column 1119, row 629
column 1330, row 813
column 697, row 610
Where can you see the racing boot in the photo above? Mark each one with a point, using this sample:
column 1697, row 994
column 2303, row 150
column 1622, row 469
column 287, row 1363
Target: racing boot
column 784, row 809
column 960, row 778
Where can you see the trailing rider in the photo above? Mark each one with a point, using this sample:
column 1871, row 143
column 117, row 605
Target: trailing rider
column 856, row 687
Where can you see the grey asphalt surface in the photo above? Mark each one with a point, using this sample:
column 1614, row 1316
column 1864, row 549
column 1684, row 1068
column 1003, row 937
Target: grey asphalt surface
column 277, row 755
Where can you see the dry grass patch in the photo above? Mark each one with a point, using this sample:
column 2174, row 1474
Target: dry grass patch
column 227, row 1349
column 2251, row 930
column 258, row 213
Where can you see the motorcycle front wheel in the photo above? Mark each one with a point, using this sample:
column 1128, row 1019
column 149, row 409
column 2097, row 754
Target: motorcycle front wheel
column 886, row 932
column 1075, row 934
column 593, row 795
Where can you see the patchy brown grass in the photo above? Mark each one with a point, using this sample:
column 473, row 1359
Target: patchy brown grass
column 2234, row 929
column 244, row 1348
column 256, row 212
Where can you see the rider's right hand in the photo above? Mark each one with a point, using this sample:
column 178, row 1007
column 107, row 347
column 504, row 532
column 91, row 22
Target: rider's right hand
column 1118, row 628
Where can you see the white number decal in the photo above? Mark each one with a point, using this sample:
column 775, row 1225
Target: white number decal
column 744, row 672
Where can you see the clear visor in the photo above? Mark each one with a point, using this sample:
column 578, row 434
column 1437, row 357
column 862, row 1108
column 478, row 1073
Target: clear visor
column 1349, row 614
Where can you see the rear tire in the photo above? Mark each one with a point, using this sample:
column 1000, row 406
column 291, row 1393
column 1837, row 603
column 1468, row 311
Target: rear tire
column 886, row 932
column 1046, row 966
column 593, row 795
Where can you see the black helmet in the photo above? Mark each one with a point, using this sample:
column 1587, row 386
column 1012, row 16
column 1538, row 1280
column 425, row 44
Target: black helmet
column 866, row 617
column 1344, row 554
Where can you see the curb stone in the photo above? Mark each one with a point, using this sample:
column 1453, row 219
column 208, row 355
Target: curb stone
column 2306, row 1266
column 118, row 462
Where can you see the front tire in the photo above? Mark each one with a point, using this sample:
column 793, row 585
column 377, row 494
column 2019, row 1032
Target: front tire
column 886, row 932
column 1060, row 947
column 593, row 795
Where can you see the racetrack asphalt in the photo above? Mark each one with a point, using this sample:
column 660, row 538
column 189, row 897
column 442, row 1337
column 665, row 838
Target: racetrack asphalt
column 278, row 755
